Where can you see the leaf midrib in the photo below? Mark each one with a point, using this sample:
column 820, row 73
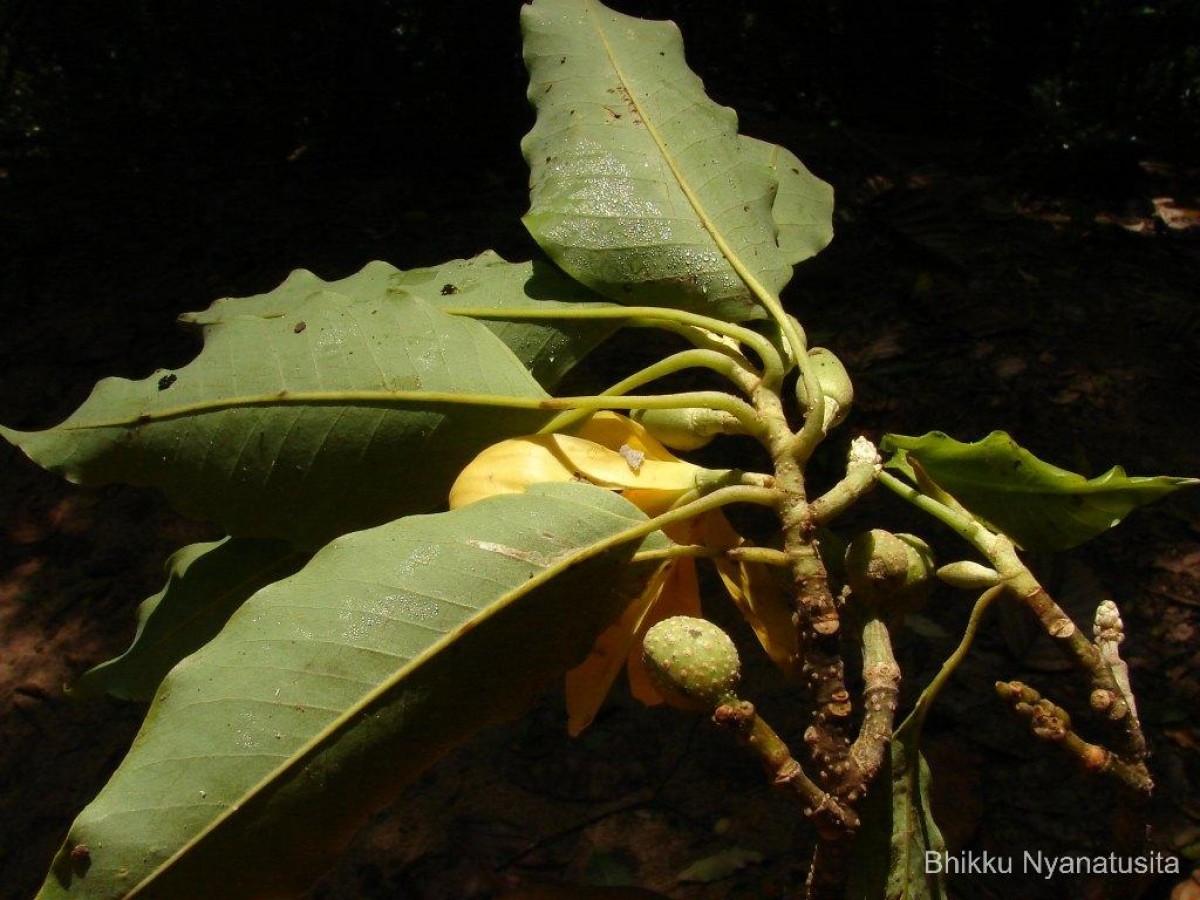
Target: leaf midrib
column 706, row 221
column 305, row 398
column 351, row 713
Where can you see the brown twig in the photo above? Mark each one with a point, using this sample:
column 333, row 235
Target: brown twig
column 1108, row 696
column 835, row 822
column 818, row 631
column 740, row 719
column 1052, row 723
column 818, row 624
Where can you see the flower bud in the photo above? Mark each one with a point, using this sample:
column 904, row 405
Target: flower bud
column 691, row 662
column 686, row 429
column 968, row 575
column 835, row 386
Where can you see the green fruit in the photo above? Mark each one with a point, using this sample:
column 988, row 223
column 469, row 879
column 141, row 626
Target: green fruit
column 889, row 572
column 691, row 662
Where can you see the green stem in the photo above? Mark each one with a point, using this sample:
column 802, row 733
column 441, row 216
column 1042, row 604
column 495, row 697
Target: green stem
column 740, row 410
column 703, row 339
column 640, row 317
column 925, row 701
column 675, row 552
column 709, row 359
column 759, row 496
column 722, row 480
column 964, row 526
column 862, row 468
column 812, row 432
column 767, row 556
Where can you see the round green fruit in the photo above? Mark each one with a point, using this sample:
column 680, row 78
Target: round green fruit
column 691, row 662
column 889, row 572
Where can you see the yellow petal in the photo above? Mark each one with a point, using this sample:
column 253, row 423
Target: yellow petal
column 626, row 467
column 680, row 596
column 590, row 681
column 655, row 503
column 507, row 468
column 613, row 430
column 755, row 592
column 673, row 590
column 510, row 466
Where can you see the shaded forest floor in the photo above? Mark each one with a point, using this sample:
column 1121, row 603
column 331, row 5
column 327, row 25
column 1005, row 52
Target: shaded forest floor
column 1058, row 303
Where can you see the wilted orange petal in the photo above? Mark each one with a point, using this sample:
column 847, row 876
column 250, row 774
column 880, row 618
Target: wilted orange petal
column 590, row 681
column 755, row 593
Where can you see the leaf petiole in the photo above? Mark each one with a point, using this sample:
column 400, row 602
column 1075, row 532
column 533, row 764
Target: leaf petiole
column 964, row 525
column 695, row 551
column 643, row 317
column 708, row 359
column 740, row 410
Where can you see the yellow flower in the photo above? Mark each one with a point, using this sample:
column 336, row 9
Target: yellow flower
column 609, row 450
column 615, row 452
column 673, row 590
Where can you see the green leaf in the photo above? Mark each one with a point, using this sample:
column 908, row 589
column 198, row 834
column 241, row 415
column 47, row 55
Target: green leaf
column 336, row 416
column 327, row 693
column 898, row 828
column 548, row 348
column 803, row 207
column 640, row 185
column 206, row 583
column 370, row 283
column 1038, row 505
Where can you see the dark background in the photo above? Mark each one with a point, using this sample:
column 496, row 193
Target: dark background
column 193, row 88
column 1002, row 260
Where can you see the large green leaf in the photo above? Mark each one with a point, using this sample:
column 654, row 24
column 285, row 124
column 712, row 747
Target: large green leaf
column 206, row 583
column 370, row 283
column 640, row 185
column 327, row 693
column 339, row 415
column 898, row 829
column 548, row 348
column 1038, row 505
column 803, row 205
